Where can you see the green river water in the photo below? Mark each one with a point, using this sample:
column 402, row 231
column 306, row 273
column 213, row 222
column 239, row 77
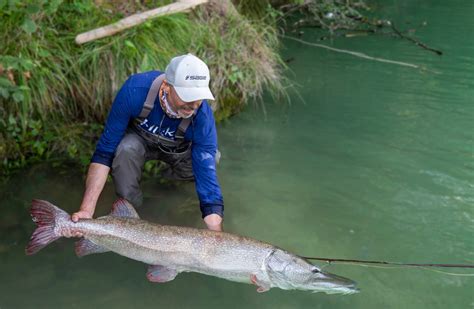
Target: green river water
column 377, row 163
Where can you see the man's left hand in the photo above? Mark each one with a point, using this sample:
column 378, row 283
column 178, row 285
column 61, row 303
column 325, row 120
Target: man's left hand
column 213, row 222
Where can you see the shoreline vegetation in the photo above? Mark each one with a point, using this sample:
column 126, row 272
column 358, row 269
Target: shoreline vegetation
column 55, row 94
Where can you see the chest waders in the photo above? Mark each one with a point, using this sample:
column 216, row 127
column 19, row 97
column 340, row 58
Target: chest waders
column 171, row 149
column 139, row 146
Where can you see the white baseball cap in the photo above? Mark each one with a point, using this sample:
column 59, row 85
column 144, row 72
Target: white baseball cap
column 189, row 76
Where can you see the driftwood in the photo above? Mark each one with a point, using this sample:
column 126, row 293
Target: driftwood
column 136, row 19
column 357, row 54
column 421, row 44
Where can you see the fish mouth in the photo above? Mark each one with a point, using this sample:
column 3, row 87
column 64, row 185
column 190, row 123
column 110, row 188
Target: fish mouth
column 332, row 284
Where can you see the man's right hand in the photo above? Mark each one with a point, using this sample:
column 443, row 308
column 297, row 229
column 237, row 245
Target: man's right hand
column 81, row 214
column 95, row 181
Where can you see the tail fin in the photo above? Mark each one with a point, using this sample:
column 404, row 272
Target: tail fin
column 45, row 215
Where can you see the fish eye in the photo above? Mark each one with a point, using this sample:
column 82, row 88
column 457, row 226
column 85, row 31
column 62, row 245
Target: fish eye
column 315, row 271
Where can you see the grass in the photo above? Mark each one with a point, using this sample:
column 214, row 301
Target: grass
column 54, row 94
column 245, row 51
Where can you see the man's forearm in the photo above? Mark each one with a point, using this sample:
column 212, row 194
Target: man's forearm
column 96, row 178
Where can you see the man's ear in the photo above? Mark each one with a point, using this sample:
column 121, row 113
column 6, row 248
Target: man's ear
column 166, row 86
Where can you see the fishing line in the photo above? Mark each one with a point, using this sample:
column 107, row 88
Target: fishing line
column 446, row 272
column 390, row 263
column 425, row 266
column 400, row 266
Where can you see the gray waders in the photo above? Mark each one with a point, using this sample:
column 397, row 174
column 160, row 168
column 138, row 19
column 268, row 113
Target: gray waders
column 139, row 146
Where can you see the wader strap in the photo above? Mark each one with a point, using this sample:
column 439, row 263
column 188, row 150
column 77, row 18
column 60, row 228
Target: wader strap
column 151, row 97
column 183, row 126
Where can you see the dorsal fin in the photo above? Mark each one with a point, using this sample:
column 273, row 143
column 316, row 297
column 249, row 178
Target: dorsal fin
column 122, row 208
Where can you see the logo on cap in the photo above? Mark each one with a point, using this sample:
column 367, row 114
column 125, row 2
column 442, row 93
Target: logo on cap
column 195, row 77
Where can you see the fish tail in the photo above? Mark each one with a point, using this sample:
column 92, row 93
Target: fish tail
column 46, row 216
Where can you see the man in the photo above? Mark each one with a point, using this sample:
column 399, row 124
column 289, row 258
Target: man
column 163, row 117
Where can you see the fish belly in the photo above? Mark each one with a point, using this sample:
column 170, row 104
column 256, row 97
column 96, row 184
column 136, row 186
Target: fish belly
column 234, row 264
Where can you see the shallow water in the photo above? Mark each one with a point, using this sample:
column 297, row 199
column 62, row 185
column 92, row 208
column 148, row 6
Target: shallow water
column 377, row 163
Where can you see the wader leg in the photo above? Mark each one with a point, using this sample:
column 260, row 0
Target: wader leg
column 180, row 168
column 127, row 168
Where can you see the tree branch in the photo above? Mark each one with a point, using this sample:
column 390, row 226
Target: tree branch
column 137, row 19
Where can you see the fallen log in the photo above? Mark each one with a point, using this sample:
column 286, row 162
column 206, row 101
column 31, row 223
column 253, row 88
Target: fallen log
column 136, row 19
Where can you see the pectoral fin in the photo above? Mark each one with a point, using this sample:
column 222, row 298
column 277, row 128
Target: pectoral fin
column 261, row 286
column 160, row 274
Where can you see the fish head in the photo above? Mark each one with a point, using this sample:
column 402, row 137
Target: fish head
column 288, row 271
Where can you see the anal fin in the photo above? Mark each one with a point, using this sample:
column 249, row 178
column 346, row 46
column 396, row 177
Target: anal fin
column 85, row 247
column 160, row 274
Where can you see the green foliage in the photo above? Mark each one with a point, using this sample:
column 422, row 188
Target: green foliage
column 253, row 8
column 41, row 141
column 245, row 51
column 50, row 87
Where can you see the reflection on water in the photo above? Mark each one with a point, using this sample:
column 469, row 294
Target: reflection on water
column 376, row 164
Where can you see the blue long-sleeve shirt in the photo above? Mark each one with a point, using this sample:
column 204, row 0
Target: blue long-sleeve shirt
column 128, row 104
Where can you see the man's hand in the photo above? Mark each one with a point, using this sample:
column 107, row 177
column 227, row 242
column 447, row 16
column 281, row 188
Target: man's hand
column 213, row 222
column 96, row 177
column 81, row 214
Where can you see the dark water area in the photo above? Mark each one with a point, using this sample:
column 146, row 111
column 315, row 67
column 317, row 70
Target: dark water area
column 377, row 163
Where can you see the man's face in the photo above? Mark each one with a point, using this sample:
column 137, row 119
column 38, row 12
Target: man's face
column 183, row 109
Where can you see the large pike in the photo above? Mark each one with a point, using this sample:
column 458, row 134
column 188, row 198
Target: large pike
column 170, row 250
